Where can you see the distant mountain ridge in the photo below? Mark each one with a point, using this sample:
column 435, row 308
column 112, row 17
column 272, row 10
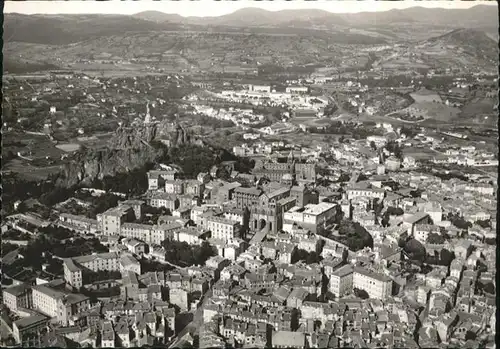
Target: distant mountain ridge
column 477, row 16
column 356, row 28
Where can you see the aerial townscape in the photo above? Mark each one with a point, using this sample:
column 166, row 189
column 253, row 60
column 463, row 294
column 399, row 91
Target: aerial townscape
column 252, row 179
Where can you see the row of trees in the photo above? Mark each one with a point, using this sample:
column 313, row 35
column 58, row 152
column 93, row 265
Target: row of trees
column 458, row 221
column 214, row 123
column 394, row 148
column 353, row 235
column 308, row 257
column 340, row 128
column 134, row 182
column 183, row 254
column 70, row 248
column 417, row 252
column 56, row 232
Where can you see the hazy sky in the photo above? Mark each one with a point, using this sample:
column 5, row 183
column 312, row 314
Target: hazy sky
column 217, row 8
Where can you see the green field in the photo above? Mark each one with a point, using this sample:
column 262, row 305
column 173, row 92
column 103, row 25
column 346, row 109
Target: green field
column 419, row 153
column 28, row 172
column 68, row 147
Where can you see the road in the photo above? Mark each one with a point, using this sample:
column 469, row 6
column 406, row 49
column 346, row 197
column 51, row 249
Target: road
column 259, row 236
column 197, row 321
column 477, row 168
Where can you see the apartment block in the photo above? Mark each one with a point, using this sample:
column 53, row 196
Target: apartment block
column 111, row 221
column 378, row 286
column 222, row 228
column 161, row 199
column 341, row 281
column 59, row 304
column 74, row 268
column 18, row 297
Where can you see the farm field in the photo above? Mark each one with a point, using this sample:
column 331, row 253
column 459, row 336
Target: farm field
column 68, row 147
column 419, row 153
column 40, row 146
column 310, row 121
column 437, row 111
column 29, row 172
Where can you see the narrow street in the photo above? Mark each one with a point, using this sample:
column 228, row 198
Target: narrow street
column 197, row 321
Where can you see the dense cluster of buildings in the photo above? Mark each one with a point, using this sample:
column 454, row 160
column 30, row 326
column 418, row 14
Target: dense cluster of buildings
column 364, row 250
column 262, row 288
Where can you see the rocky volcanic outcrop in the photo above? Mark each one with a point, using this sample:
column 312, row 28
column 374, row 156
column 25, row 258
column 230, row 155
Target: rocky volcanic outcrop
column 128, row 149
column 139, row 136
column 97, row 163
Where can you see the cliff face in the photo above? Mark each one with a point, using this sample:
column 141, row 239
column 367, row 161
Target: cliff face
column 91, row 164
column 128, row 149
column 136, row 137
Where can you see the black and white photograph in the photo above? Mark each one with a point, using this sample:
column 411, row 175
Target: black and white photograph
column 249, row 174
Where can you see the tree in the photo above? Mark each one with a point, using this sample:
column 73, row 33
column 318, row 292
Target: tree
column 488, row 287
column 7, row 281
column 459, row 222
column 435, row 238
column 56, row 232
column 339, row 215
column 373, row 145
column 394, row 211
column 377, row 206
column 470, row 336
column 484, row 224
column 361, row 293
column 57, row 195
column 446, row 257
column 490, row 241
column 415, row 193
column 415, row 250
column 408, row 132
column 344, row 177
column 354, row 235
column 104, row 203
column 205, row 252
column 312, row 258
column 7, row 247
column 385, row 220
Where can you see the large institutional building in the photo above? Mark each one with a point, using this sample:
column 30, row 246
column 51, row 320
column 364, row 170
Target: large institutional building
column 75, row 268
column 285, row 172
column 346, row 278
column 59, row 304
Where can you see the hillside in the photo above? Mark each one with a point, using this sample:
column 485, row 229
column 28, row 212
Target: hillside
column 254, row 17
column 66, row 29
column 180, row 49
column 481, row 16
column 456, row 49
column 159, row 17
column 470, row 41
column 465, row 37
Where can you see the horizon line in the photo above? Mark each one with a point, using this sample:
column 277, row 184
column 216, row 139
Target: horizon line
column 13, row 7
